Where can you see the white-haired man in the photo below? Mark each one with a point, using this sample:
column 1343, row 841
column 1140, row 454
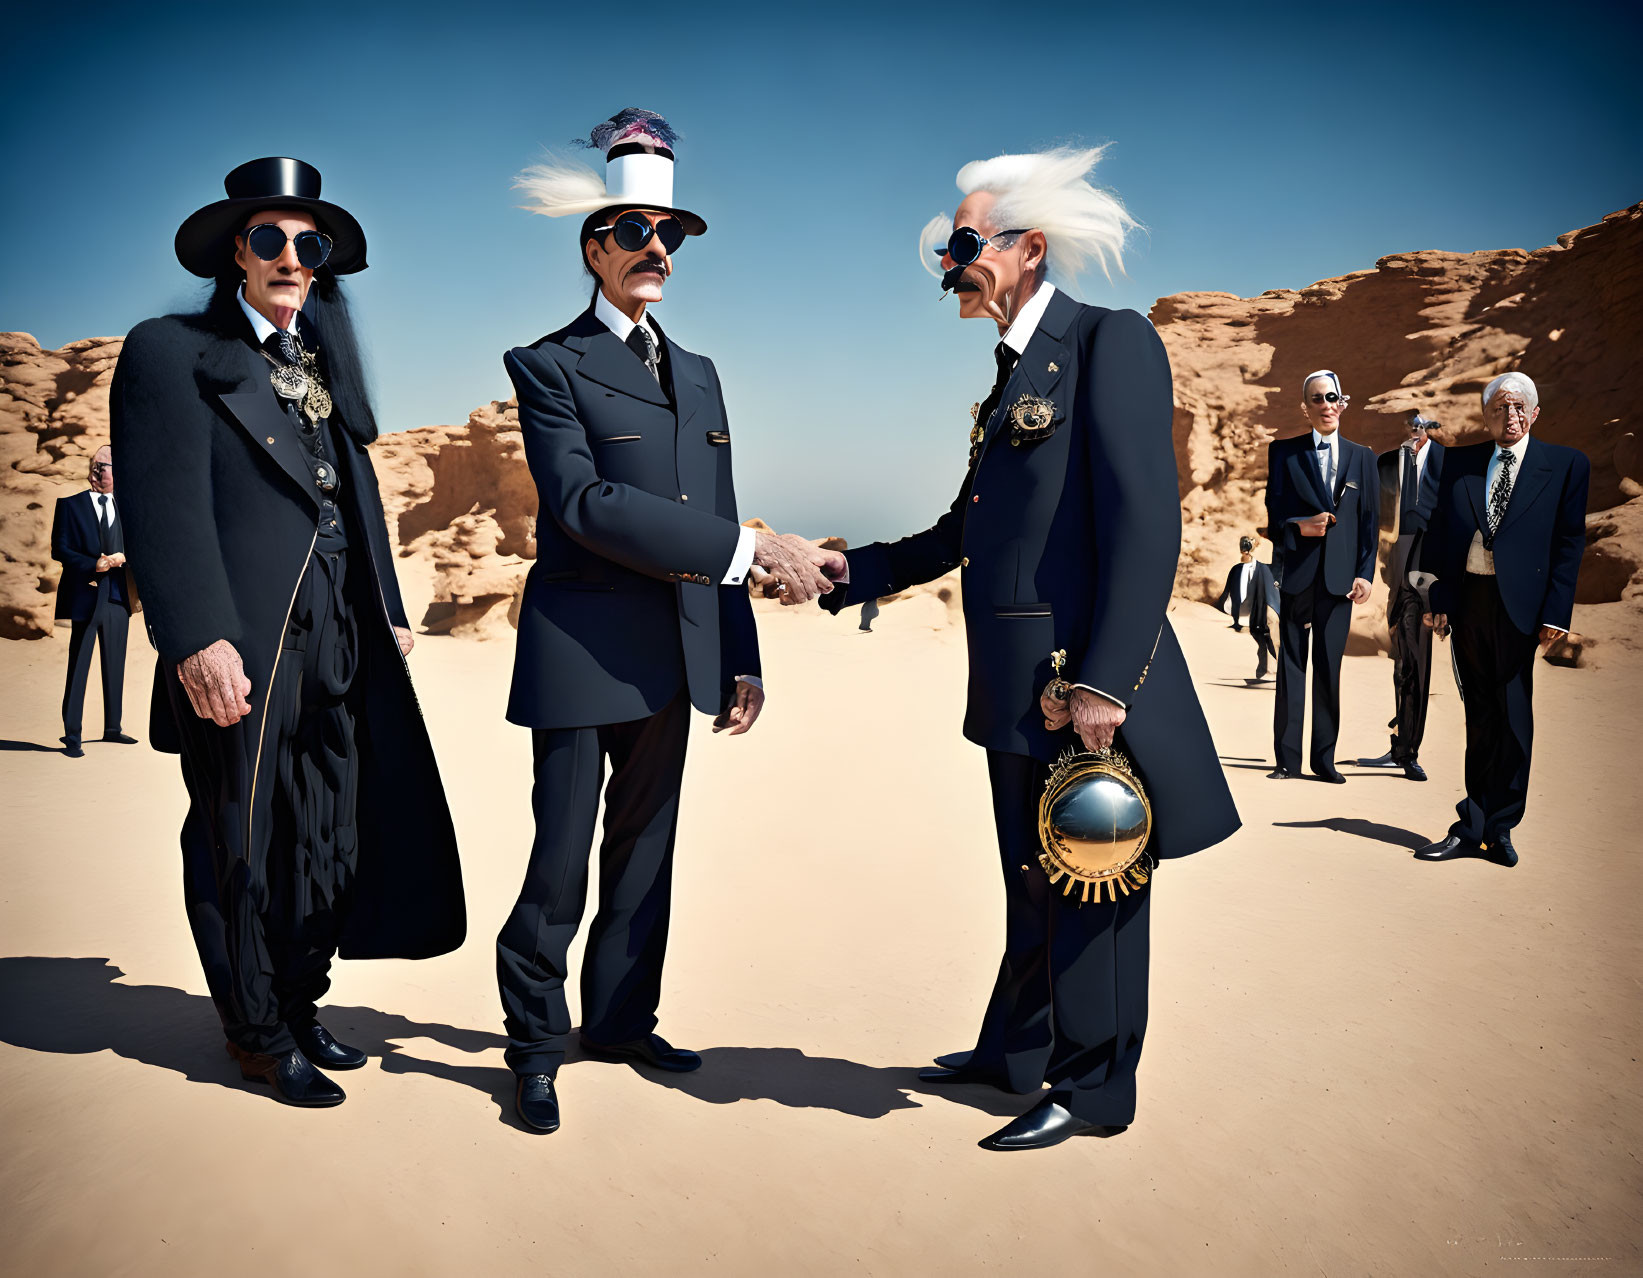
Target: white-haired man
column 1504, row 545
column 1067, row 528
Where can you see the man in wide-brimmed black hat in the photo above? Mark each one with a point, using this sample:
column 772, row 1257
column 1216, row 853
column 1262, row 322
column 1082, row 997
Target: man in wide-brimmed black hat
column 255, row 531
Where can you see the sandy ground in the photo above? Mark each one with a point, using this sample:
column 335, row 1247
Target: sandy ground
column 1356, row 1064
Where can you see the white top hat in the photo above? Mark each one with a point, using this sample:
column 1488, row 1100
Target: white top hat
column 638, row 147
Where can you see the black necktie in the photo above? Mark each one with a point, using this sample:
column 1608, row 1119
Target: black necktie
column 105, row 525
column 1005, row 359
column 1409, row 498
column 640, row 343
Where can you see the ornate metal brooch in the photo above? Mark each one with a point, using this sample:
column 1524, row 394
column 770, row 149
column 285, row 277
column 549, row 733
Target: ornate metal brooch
column 1031, row 419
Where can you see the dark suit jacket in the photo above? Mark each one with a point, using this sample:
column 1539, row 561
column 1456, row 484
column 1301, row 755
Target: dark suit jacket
column 1294, row 488
column 1538, row 545
column 1418, row 513
column 637, row 526
column 1262, row 586
column 220, row 516
column 76, row 544
column 1070, row 542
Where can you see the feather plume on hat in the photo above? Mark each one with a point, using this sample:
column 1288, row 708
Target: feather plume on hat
column 560, row 186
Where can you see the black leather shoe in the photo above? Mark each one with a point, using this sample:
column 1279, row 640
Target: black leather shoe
column 536, row 1103
column 73, row 750
column 1046, row 1123
column 1501, row 849
column 1414, row 771
column 954, row 1060
column 1383, row 761
column 652, row 1050
column 1447, row 848
column 294, row 1080
column 1280, row 774
column 119, row 738
column 1330, row 775
column 315, row 1042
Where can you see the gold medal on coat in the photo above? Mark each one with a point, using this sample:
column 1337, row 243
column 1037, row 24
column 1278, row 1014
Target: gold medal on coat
column 1031, row 419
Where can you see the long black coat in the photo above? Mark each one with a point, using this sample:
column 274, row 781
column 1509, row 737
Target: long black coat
column 1538, row 544
column 638, row 526
column 1070, row 542
column 1295, row 488
column 220, row 516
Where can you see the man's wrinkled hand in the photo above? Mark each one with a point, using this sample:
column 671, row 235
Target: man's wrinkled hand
column 1095, row 718
column 1057, row 714
column 743, row 712
column 796, row 564
column 1314, row 525
column 405, row 639
column 214, row 679
column 1360, row 591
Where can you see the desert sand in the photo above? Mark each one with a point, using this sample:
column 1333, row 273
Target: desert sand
column 1357, row 1063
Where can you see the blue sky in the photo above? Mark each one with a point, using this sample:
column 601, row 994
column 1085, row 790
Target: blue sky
column 1261, row 147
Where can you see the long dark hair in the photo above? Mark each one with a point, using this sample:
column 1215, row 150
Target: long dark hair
column 333, row 329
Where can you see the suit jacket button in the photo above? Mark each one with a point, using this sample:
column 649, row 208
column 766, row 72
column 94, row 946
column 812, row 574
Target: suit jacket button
column 270, row 439
column 977, row 497
column 684, row 496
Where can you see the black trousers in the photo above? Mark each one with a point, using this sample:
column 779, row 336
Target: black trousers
column 1263, row 649
column 1411, row 644
column 1311, row 618
column 269, row 850
column 1496, row 664
column 622, row 966
column 105, row 629
column 1069, row 1007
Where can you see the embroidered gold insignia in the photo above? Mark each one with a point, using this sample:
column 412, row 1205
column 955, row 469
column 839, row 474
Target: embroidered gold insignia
column 1031, row 419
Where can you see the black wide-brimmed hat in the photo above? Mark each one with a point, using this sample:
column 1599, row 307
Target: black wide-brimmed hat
column 205, row 242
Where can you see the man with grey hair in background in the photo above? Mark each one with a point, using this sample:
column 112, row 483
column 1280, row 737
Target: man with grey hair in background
column 1504, row 546
column 1067, row 527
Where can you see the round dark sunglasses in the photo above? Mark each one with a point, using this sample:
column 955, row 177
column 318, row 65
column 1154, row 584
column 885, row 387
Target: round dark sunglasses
column 964, row 245
column 632, row 231
column 268, row 241
column 1328, row 397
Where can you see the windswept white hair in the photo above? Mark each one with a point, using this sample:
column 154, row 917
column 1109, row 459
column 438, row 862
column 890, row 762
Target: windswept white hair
column 559, row 186
column 1048, row 191
column 1518, row 382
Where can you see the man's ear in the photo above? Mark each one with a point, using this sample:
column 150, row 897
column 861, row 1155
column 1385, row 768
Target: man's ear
column 1034, row 247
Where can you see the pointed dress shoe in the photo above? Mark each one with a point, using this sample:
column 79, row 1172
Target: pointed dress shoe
column 1414, row 771
column 73, row 749
column 954, row 1060
column 119, row 738
column 652, row 1050
column 1501, row 850
column 1046, row 1123
column 1329, row 774
column 536, row 1103
column 1449, row 848
column 1280, row 774
column 294, row 1080
column 315, row 1042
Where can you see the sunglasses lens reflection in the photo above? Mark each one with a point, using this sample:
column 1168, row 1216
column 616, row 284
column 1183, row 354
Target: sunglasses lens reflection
column 266, row 241
column 631, row 233
column 312, row 249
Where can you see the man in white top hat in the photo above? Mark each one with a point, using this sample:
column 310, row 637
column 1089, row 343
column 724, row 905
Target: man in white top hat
column 635, row 610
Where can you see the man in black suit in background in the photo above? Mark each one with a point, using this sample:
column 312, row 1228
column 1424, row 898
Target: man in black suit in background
column 1321, row 501
column 95, row 595
column 1067, row 527
column 634, row 611
column 1409, row 476
column 1249, row 594
column 1504, row 545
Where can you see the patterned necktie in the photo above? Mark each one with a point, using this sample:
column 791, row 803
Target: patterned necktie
column 640, row 343
column 284, row 346
column 1499, row 495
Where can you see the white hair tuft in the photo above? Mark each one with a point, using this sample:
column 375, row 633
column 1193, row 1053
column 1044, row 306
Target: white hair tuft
column 934, row 236
column 558, row 187
column 1050, row 191
column 1521, row 383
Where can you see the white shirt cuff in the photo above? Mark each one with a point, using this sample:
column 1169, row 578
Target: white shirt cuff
column 1546, row 625
column 742, row 560
column 1107, row 695
column 752, row 679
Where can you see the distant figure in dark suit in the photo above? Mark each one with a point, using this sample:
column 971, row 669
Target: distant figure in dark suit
column 1504, row 545
column 1321, row 499
column 869, row 610
column 1409, row 476
column 1249, row 593
column 95, row 596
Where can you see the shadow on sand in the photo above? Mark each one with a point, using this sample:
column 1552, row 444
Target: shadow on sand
column 77, row 1006
column 1396, row 835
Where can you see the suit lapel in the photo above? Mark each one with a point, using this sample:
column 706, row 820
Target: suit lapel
column 1536, row 472
column 256, row 410
column 1040, row 367
column 607, row 360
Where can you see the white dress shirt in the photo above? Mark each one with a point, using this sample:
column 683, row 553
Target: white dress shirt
column 1245, row 572
column 1329, row 459
column 103, row 504
column 622, row 325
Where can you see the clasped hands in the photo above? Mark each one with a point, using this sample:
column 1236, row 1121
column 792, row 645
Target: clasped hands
column 795, row 569
column 1094, row 717
column 105, row 562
